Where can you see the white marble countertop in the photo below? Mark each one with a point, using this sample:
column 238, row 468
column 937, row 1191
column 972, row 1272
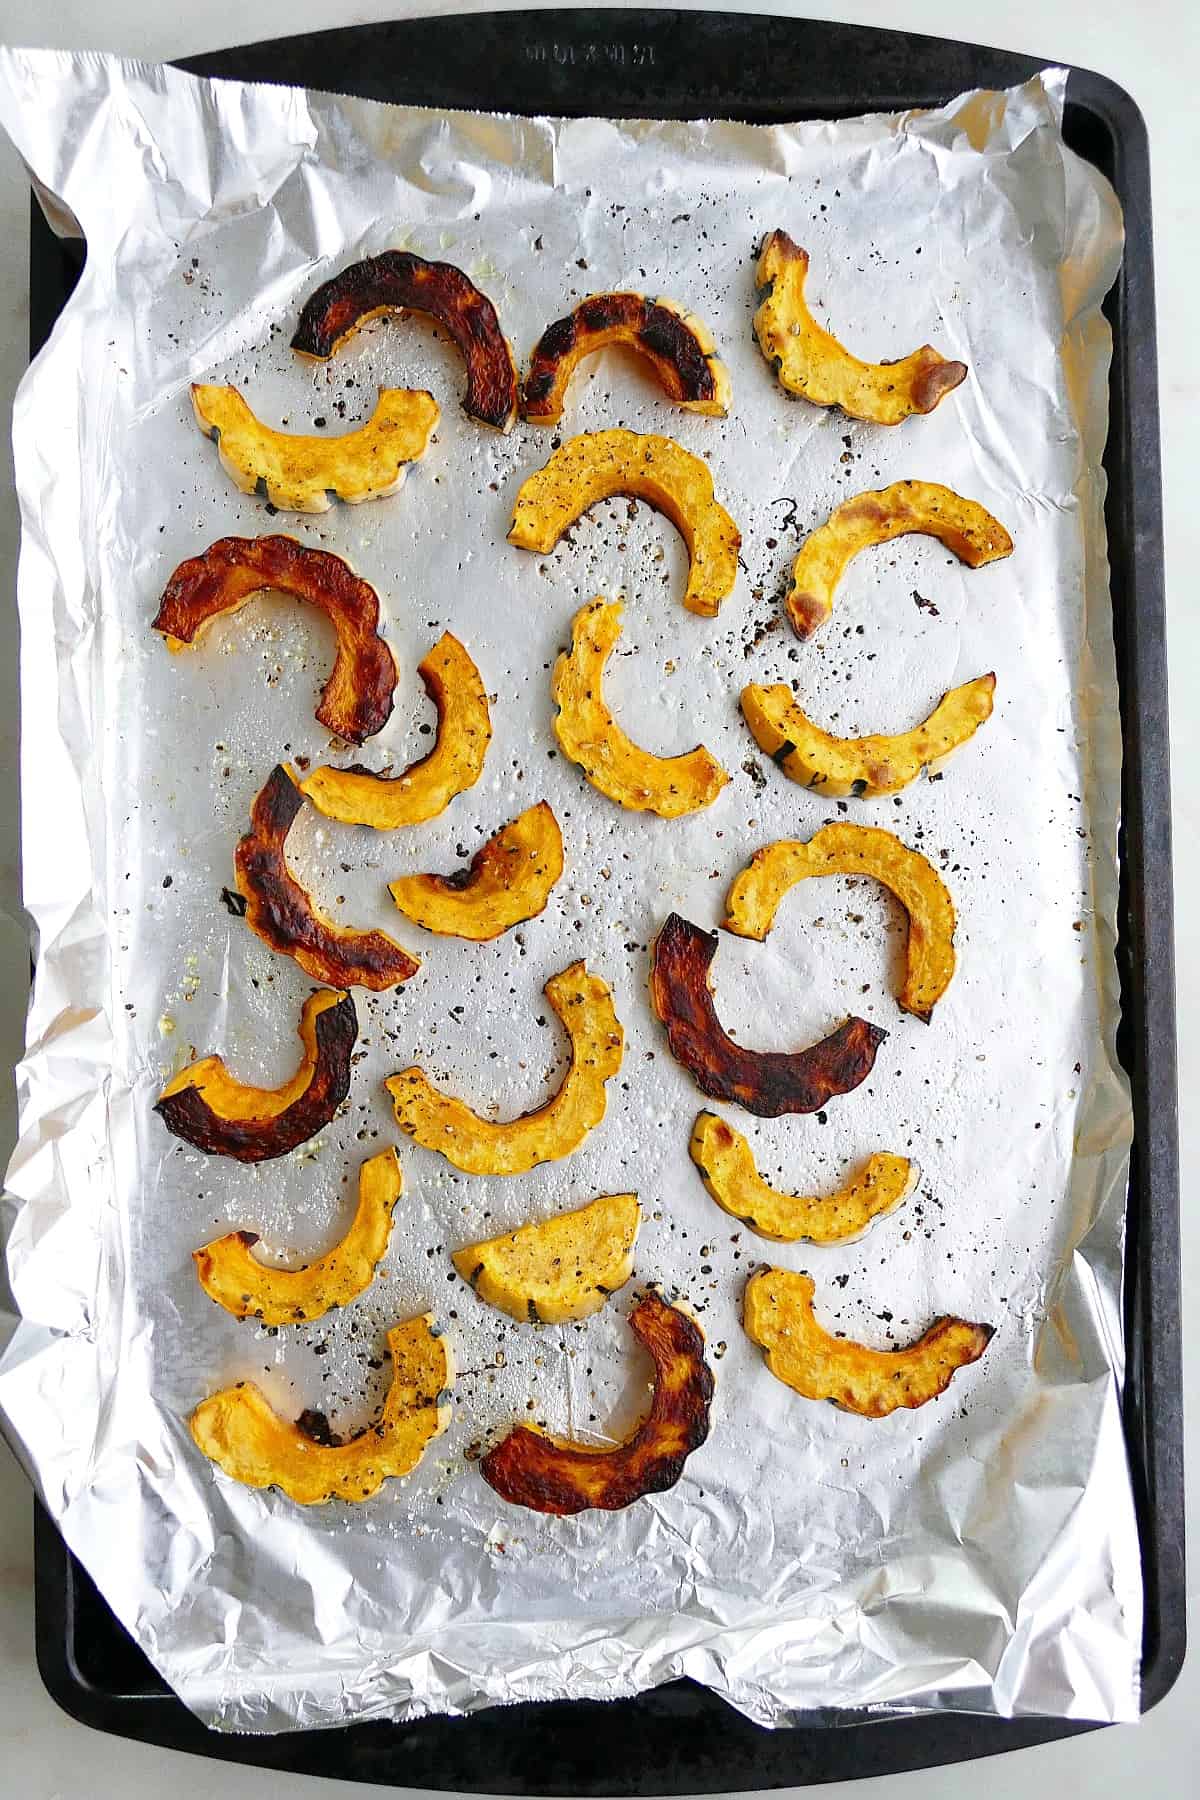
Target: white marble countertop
column 1153, row 50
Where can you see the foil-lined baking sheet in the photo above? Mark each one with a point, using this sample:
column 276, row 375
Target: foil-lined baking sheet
column 979, row 1553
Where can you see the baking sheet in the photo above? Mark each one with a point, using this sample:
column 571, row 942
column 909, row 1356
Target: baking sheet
column 980, row 1553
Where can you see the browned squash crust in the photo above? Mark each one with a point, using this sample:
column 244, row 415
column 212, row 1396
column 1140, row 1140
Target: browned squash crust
column 399, row 281
column 678, row 346
column 356, row 701
column 208, row 1108
column 284, row 916
column 507, row 881
column 555, row 1475
column 766, row 1082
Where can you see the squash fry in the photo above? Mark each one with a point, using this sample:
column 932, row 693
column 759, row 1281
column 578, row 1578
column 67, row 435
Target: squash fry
column 509, row 879
column 727, row 1169
column 564, row 1268
column 678, row 346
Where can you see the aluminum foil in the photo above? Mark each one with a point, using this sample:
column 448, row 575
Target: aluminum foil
column 977, row 1554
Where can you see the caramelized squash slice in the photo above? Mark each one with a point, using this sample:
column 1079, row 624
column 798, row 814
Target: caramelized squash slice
column 924, row 507
column 583, row 1004
column 399, row 282
column 307, row 474
column 355, row 796
column 844, row 849
column 765, row 1082
column 356, row 701
column 284, row 916
column 240, row 1431
column 564, row 1268
column 812, row 363
column 678, row 346
column 778, row 1316
column 509, row 879
column 866, row 766
column 207, row 1107
column 585, row 728
column 556, row 1475
column 249, row 1289
column 599, row 464
column 727, row 1169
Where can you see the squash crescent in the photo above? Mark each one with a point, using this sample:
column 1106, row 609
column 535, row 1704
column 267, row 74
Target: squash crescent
column 599, row 464
column 679, row 347
column 507, row 880
column 585, row 728
column 778, row 1316
column 845, row 849
column 249, row 1289
column 563, row 1268
column 240, row 1431
column 437, row 1121
column 810, row 362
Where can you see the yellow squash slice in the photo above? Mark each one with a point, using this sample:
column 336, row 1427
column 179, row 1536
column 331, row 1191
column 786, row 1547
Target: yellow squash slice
column 506, row 881
column 924, row 507
column 667, row 785
column 564, row 1268
column 844, row 849
column 864, row 766
column 726, row 1164
column 778, row 1316
column 249, row 1289
column 479, row 1146
column 655, row 469
column 812, row 363
column 306, row 474
column 357, row 797
column 241, row 1432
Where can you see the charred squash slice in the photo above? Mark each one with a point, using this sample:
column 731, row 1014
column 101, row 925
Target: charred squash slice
column 843, row 849
column 400, row 282
column 865, row 766
column 726, row 1164
column 240, row 1431
column 564, row 1268
column 617, row 767
column 555, row 1475
column 283, row 915
column 812, row 363
column 356, row 701
column 478, row 1146
column 678, row 346
column 207, row 1107
column 778, row 1316
column 924, row 507
column 677, row 484
column 307, row 474
column 509, row 879
column 249, row 1289
column 355, row 796
column 765, row 1082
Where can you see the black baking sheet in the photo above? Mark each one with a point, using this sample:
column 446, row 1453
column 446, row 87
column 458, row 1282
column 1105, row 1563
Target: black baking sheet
column 680, row 1738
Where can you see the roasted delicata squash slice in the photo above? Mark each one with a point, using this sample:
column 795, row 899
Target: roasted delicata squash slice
column 583, row 1003
column 585, row 728
column 356, row 701
column 564, row 1268
column 778, row 1316
column 812, row 363
column 232, row 1276
column 556, row 1475
column 283, row 915
column 399, row 282
column 678, row 346
column 507, row 880
column 307, row 474
column 727, row 1168
column 205, row 1105
column 240, row 1431
column 765, row 1082
column 677, row 484
column 355, row 796
column 865, row 766
column 924, row 507
column 845, row 849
